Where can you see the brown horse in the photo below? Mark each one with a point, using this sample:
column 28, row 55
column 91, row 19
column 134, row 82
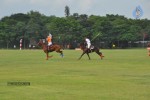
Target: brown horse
column 87, row 51
column 54, row 47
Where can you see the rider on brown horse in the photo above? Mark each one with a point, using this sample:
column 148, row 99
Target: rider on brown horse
column 49, row 41
column 47, row 49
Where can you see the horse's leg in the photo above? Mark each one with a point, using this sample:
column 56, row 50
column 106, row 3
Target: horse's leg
column 87, row 52
column 88, row 56
column 100, row 54
column 81, row 55
column 61, row 52
column 47, row 56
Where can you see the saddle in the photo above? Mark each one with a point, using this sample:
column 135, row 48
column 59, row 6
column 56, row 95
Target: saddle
column 92, row 47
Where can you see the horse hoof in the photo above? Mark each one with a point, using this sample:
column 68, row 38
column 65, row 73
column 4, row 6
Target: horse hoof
column 102, row 57
column 62, row 55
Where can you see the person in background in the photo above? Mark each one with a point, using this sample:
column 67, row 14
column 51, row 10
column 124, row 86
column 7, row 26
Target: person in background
column 148, row 48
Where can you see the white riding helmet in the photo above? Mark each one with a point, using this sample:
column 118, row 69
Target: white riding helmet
column 50, row 35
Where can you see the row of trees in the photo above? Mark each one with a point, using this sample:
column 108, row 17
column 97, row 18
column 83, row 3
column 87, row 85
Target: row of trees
column 104, row 30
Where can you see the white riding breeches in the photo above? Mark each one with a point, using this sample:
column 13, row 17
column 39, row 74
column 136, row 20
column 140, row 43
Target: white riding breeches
column 88, row 45
column 50, row 43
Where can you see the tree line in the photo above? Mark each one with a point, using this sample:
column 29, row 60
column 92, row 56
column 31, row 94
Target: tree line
column 71, row 29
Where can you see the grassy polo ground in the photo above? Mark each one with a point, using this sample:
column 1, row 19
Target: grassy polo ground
column 121, row 75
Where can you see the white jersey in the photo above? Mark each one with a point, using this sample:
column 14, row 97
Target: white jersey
column 88, row 42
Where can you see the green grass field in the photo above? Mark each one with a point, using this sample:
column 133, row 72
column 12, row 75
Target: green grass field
column 121, row 75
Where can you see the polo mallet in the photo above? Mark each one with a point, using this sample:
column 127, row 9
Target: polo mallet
column 96, row 36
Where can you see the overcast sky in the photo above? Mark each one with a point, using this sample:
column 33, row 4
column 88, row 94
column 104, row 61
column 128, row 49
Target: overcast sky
column 89, row 7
